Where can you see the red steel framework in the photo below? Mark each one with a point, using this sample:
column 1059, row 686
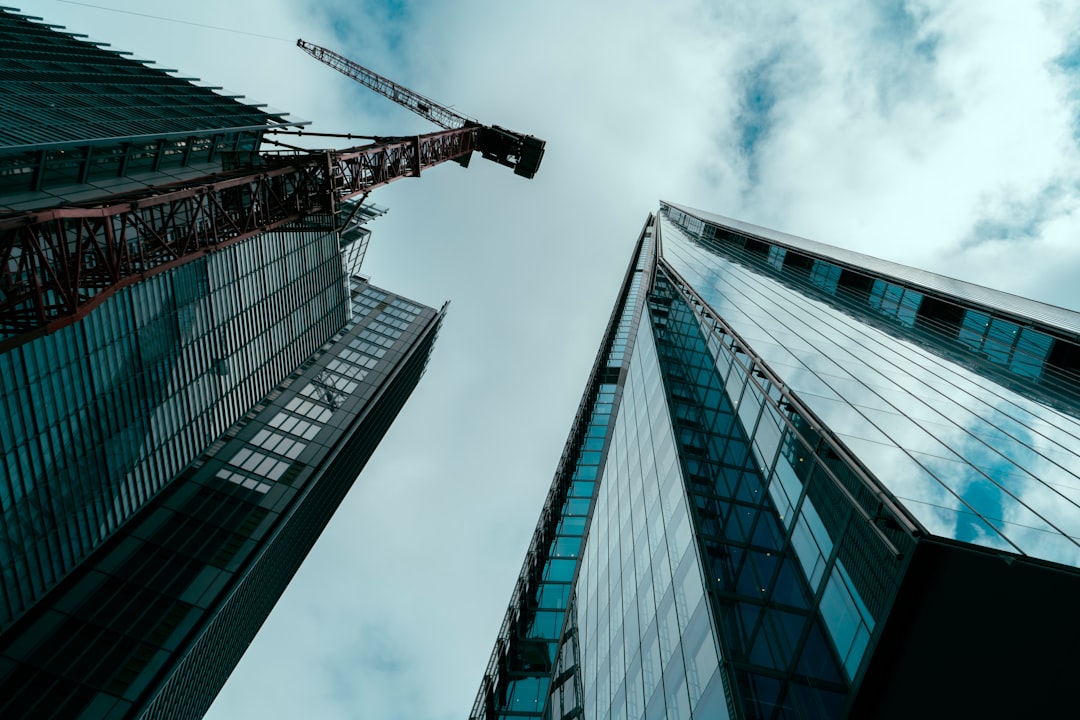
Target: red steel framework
column 56, row 265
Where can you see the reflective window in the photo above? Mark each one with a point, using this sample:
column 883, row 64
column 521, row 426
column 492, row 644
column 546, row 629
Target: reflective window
column 150, row 378
column 944, row 437
column 642, row 564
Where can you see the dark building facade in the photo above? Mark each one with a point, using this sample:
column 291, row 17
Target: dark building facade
column 804, row 483
column 171, row 455
column 151, row 623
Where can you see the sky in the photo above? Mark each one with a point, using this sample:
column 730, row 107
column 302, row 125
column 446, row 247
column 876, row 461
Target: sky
column 943, row 135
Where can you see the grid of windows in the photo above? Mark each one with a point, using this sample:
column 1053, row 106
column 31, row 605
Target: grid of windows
column 79, row 116
column 1042, row 343
column 294, row 426
column 368, row 300
column 799, row 572
column 762, row 240
column 152, row 623
column 101, row 414
column 642, row 613
column 790, row 435
column 534, row 668
column 91, row 91
column 266, row 458
column 969, row 457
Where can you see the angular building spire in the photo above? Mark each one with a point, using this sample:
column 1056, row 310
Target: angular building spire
column 826, row 486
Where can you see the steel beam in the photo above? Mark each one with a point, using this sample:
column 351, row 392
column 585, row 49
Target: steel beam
column 56, row 265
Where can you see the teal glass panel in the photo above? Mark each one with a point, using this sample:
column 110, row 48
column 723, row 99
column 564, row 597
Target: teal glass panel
column 899, row 398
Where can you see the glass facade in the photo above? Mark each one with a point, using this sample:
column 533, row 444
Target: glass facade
column 151, row 624
column 816, row 459
column 171, row 454
column 779, row 534
column 354, row 235
column 101, row 414
column 537, row 651
column 968, row 456
column 641, row 613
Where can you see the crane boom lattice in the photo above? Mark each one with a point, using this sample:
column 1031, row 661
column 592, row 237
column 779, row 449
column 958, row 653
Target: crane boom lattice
column 442, row 116
column 515, row 150
column 58, row 264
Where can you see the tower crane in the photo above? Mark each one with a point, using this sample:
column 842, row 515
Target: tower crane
column 515, row 150
column 57, row 264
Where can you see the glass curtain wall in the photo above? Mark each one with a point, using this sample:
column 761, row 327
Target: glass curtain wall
column 965, row 444
column 101, row 414
column 642, row 615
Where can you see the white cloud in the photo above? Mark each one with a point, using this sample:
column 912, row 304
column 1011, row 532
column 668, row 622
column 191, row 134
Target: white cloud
column 896, row 129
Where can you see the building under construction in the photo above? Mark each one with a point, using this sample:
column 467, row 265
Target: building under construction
column 192, row 373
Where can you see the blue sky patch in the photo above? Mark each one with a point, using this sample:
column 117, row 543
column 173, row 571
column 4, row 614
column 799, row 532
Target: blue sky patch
column 1069, row 64
column 758, row 99
column 900, row 27
column 1016, row 221
column 756, row 104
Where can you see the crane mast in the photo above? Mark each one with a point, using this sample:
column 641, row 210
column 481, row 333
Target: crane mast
column 515, row 150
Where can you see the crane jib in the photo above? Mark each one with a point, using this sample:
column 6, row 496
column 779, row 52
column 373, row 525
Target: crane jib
column 515, row 150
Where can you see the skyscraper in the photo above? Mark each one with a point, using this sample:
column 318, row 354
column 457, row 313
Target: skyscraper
column 804, row 483
column 173, row 447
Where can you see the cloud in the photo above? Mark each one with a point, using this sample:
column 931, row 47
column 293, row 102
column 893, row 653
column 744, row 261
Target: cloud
column 1016, row 219
column 939, row 134
column 757, row 103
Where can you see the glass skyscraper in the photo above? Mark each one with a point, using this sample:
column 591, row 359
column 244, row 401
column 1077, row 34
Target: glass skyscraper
column 804, row 483
column 170, row 455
